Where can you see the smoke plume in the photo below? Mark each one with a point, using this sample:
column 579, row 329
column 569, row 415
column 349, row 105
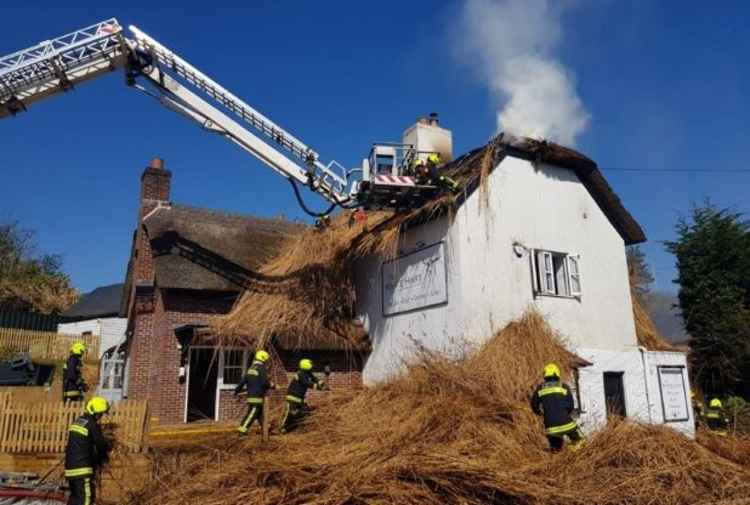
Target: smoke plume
column 511, row 44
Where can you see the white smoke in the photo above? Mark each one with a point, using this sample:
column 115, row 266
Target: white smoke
column 511, row 44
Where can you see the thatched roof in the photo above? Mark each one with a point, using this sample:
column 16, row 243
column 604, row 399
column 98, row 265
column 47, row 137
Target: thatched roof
column 469, row 169
column 201, row 249
column 307, row 291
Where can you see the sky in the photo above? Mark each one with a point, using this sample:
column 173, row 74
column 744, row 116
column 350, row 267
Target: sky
column 666, row 85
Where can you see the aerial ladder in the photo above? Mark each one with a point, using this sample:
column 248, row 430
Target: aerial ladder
column 56, row 66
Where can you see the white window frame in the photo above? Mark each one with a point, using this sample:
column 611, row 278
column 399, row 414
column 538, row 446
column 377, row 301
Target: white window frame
column 220, row 378
column 549, row 282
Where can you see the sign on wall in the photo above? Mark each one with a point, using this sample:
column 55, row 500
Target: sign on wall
column 674, row 397
column 415, row 281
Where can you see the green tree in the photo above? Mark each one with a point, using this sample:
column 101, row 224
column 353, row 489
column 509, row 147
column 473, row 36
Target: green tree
column 713, row 262
column 29, row 281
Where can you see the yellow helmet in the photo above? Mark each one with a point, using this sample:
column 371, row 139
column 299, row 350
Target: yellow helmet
column 715, row 403
column 306, row 364
column 78, row 348
column 434, row 158
column 262, row 356
column 97, row 405
column 551, row 370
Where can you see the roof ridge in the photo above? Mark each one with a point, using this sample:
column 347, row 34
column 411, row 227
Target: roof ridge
column 232, row 215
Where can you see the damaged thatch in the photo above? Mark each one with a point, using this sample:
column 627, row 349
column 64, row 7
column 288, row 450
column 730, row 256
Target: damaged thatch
column 308, row 291
column 449, row 432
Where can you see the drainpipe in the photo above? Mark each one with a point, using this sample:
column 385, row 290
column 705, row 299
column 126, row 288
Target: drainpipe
column 645, row 382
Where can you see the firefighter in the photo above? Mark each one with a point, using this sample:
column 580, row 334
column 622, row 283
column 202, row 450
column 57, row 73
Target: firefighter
column 716, row 419
column 86, row 452
column 73, row 384
column 556, row 400
column 257, row 383
column 439, row 179
column 303, row 380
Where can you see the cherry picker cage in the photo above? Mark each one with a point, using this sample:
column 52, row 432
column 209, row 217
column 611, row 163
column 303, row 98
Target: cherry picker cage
column 56, row 66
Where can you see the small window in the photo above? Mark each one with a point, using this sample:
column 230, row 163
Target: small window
column 234, row 365
column 556, row 274
column 384, row 164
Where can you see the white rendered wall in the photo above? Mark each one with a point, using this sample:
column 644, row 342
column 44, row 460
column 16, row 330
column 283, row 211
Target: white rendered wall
column 111, row 330
column 540, row 207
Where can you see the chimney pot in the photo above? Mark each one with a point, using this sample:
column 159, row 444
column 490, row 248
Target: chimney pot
column 156, row 181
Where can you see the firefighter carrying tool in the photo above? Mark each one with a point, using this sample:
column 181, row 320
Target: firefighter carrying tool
column 257, row 384
column 303, row 380
column 73, row 384
column 87, row 451
column 556, row 400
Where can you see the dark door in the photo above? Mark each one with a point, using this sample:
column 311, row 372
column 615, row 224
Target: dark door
column 614, row 394
column 204, row 364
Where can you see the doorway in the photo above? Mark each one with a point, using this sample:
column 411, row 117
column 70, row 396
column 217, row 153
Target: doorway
column 614, row 394
column 201, row 397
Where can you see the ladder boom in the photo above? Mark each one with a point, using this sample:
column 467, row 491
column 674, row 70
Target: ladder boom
column 57, row 65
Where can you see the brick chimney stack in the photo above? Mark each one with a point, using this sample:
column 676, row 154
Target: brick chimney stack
column 156, row 181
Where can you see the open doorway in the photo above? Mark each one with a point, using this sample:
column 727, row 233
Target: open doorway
column 614, row 394
column 201, row 397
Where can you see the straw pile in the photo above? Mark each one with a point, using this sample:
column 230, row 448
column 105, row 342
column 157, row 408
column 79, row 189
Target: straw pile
column 448, row 431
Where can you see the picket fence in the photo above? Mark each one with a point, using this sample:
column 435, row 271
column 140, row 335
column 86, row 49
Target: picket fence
column 43, row 427
column 46, row 345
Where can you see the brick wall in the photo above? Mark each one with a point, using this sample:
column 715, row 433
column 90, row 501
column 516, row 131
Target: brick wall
column 154, row 352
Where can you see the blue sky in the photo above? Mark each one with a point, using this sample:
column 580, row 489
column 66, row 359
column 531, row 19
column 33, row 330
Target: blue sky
column 666, row 85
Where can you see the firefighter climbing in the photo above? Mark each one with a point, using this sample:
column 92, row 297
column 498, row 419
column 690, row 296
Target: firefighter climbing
column 257, row 383
column 554, row 400
column 295, row 409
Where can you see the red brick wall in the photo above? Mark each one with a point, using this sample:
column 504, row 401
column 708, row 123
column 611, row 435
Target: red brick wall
column 154, row 353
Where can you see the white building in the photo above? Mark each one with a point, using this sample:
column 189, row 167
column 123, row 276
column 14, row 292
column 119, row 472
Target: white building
column 97, row 313
column 544, row 230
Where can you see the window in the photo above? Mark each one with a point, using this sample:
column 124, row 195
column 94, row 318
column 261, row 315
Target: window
column 233, row 366
column 556, row 274
column 384, row 164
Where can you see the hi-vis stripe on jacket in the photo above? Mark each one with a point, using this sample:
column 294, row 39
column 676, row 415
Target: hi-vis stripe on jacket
column 555, row 400
column 87, row 448
column 257, row 383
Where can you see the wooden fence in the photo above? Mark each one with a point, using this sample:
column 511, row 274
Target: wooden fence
column 46, row 345
column 32, row 394
column 43, row 427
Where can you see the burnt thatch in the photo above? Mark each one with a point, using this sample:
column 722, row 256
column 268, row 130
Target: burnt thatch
column 307, row 292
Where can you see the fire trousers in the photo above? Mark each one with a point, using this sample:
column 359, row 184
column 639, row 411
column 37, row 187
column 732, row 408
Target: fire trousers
column 82, row 491
column 254, row 412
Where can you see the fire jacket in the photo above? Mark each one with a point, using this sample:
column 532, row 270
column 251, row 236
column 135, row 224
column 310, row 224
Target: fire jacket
column 256, row 381
column 73, row 385
column 87, row 448
column 302, row 381
column 556, row 401
column 716, row 420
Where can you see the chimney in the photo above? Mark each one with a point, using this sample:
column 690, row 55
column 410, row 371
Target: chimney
column 429, row 137
column 156, row 181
